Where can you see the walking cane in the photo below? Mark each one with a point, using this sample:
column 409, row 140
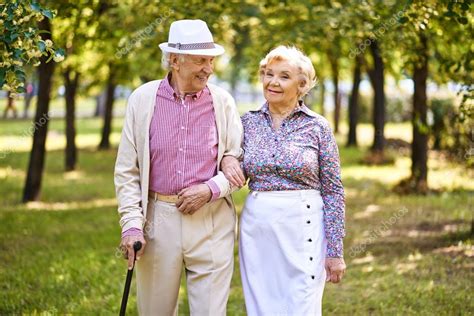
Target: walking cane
column 136, row 247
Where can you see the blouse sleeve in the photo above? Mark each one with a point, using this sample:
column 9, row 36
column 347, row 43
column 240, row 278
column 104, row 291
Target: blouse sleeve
column 332, row 191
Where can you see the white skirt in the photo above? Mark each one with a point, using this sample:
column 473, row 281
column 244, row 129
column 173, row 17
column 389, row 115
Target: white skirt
column 282, row 252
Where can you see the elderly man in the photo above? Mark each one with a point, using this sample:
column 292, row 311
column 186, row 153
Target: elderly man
column 171, row 195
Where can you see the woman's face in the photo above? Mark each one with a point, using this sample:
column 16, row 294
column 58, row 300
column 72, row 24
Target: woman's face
column 281, row 83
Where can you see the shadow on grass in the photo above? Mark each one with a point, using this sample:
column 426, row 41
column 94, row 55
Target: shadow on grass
column 92, row 179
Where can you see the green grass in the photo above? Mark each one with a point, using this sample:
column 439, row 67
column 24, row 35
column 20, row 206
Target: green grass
column 58, row 256
column 85, row 106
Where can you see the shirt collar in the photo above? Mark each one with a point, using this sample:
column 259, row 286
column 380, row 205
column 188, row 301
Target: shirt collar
column 301, row 107
column 169, row 91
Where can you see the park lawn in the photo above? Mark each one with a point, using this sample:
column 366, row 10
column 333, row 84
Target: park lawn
column 406, row 255
column 85, row 106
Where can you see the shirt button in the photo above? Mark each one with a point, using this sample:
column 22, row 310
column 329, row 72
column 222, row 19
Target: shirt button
column 311, row 258
column 308, row 206
column 308, row 222
column 181, row 149
column 182, row 127
column 312, row 277
column 310, row 240
column 179, row 172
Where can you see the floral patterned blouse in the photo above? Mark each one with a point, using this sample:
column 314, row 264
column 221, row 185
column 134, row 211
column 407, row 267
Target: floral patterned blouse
column 301, row 155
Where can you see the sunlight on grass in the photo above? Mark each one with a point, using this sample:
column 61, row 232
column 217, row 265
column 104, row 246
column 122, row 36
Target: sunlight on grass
column 447, row 176
column 365, row 132
column 85, row 106
column 55, row 141
column 367, row 259
column 460, row 248
column 93, row 204
column 74, row 175
column 9, row 172
column 369, row 210
column 441, row 175
column 388, row 175
column 403, row 268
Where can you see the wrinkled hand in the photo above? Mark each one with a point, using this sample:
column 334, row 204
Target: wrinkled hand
column 232, row 171
column 127, row 248
column 193, row 198
column 335, row 269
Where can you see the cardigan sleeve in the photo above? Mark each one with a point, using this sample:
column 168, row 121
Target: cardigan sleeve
column 233, row 143
column 127, row 174
column 235, row 131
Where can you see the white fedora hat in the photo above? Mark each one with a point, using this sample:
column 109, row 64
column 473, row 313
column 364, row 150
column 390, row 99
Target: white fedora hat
column 191, row 37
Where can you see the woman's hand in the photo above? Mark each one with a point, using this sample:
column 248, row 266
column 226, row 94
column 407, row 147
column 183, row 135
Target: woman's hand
column 335, row 269
column 232, row 171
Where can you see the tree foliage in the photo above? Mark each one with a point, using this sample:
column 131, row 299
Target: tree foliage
column 21, row 43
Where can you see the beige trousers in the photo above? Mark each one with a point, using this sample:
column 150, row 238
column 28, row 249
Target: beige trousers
column 203, row 243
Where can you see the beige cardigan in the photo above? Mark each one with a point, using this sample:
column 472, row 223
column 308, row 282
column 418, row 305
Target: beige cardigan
column 132, row 168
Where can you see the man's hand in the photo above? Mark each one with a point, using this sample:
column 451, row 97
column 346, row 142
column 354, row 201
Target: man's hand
column 127, row 248
column 335, row 269
column 193, row 198
column 232, row 171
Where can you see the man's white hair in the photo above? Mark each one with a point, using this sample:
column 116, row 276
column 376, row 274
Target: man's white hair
column 166, row 60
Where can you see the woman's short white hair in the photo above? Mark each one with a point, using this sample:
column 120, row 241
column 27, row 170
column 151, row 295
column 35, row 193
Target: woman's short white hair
column 296, row 57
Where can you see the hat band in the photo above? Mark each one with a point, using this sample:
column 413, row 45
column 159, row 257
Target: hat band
column 192, row 46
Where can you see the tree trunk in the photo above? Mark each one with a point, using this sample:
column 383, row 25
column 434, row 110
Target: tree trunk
column 239, row 44
column 354, row 104
column 322, row 96
column 28, row 96
column 377, row 79
column 38, row 152
column 100, row 104
column 337, row 99
column 109, row 103
column 419, row 154
column 10, row 106
column 70, row 82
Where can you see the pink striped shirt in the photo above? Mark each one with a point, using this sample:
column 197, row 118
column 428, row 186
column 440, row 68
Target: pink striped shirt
column 183, row 141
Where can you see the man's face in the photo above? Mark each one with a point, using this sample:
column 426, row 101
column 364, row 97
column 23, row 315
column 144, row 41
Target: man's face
column 192, row 71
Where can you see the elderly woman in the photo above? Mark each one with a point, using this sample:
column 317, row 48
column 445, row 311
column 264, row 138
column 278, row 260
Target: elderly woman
column 292, row 224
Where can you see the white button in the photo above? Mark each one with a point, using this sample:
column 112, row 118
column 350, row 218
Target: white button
column 182, row 127
column 181, row 149
column 179, row 172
